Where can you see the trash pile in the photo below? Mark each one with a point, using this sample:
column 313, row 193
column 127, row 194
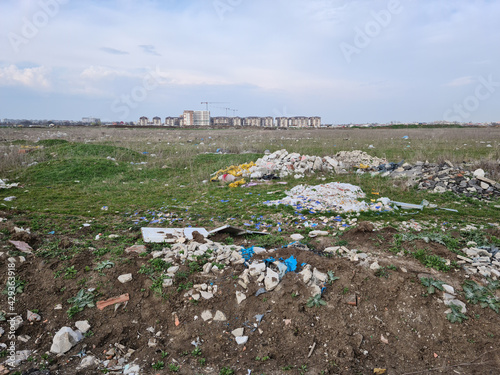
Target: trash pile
column 443, row 177
column 282, row 164
column 285, row 164
column 331, row 197
column 484, row 260
column 233, row 174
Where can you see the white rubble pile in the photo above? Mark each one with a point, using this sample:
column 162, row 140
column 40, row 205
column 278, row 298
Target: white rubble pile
column 285, row 164
column 481, row 261
column 266, row 276
column 334, row 196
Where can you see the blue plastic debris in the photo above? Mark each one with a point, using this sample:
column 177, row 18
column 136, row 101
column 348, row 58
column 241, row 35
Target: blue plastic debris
column 291, row 264
column 247, row 253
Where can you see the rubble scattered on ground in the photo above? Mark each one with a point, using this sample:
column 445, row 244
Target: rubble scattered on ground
column 438, row 178
column 483, row 260
column 331, row 197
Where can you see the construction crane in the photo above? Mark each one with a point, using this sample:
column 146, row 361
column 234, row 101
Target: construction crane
column 230, row 109
column 207, row 103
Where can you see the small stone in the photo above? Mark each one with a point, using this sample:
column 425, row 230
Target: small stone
column 132, row 370
column 220, row 316
column 33, row 317
column 24, row 338
column 374, row 266
column 167, row 282
column 256, row 269
column 206, row 315
column 306, row 274
column 152, row 342
column 238, row 332
column 82, row 325
column 240, row 340
column 449, row 289
column 240, row 297
column 271, row 280
column 319, row 276
column 64, row 340
column 206, row 295
column 479, row 173
column 16, row 322
column 173, row 269
column 87, row 362
column 457, row 302
column 125, row 278
column 137, row 249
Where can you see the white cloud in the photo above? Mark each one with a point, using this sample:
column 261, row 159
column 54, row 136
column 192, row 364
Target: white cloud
column 30, row 77
column 101, row 72
column 461, row 81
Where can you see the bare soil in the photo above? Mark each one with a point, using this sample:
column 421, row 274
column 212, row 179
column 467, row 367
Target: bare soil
column 393, row 325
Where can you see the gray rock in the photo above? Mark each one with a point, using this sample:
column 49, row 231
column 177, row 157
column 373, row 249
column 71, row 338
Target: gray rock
column 297, row 237
column 206, row 315
column 88, row 361
column 82, row 325
column 220, row 316
column 240, row 297
column 125, row 278
column 271, row 280
column 64, row 340
column 240, row 340
column 238, row 332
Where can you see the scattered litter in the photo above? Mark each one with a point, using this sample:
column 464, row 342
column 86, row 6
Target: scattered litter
column 234, row 231
column 312, row 349
column 5, row 185
column 111, row 301
column 334, row 196
column 10, row 199
column 408, row 206
column 22, row 246
column 170, row 235
column 259, row 292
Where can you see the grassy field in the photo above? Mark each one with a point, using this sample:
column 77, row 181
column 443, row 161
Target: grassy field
column 149, row 176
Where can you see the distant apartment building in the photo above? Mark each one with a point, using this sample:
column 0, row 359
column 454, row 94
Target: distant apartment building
column 299, row 122
column 172, row 121
column 315, row 122
column 221, row 121
column 282, row 122
column 237, row 121
column 251, row 121
column 188, row 118
column 202, row 118
column 267, row 122
column 196, row 118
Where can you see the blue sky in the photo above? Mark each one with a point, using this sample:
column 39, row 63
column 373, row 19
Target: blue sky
column 348, row 61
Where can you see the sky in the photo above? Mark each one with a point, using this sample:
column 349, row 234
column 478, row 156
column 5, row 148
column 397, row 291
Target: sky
column 348, row 61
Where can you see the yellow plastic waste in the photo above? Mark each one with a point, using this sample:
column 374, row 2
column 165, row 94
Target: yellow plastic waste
column 235, row 170
column 237, row 183
column 363, row 166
